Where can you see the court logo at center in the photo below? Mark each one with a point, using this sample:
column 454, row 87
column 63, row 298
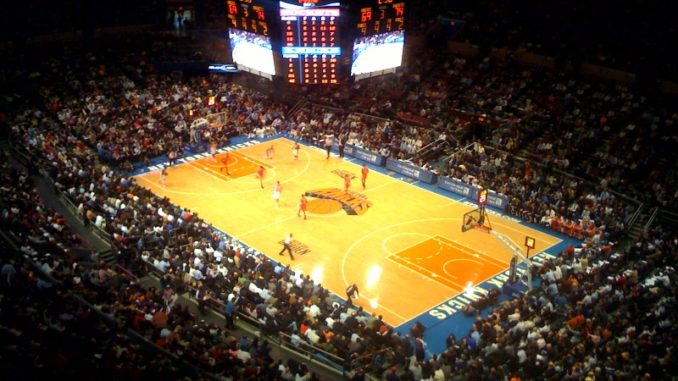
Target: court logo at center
column 330, row 200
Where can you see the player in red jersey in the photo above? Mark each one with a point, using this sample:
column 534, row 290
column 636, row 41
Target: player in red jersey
column 363, row 177
column 303, row 202
column 261, row 172
column 224, row 161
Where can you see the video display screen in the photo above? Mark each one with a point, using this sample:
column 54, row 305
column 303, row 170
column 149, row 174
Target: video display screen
column 377, row 52
column 251, row 51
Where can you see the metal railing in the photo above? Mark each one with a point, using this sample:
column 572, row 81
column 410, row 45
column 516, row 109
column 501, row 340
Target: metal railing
column 301, row 103
column 373, row 117
column 634, row 217
column 650, row 220
column 668, row 217
column 432, row 147
column 458, row 151
column 312, row 352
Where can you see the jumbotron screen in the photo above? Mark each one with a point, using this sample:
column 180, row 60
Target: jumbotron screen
column 252, row 52
column 310, row 40
column 377, row 53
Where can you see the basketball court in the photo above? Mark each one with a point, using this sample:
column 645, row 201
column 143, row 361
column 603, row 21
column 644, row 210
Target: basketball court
column 401, row 244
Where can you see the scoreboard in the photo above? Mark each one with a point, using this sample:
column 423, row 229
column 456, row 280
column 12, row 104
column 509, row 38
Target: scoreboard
column 382, row 16
column 314, row 42
column 310, row 41
column 248, row 15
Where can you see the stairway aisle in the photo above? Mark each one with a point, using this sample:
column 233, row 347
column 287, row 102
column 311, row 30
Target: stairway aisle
column 53, row 200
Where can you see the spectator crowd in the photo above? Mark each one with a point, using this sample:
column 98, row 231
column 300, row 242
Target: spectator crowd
column 602, row 310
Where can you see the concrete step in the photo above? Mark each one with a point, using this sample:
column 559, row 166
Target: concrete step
column 108, row 256
column 638, row 226
column 523, row 152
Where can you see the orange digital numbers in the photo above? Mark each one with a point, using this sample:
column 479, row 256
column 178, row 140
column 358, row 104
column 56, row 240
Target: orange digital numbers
column 311, row 42
column 259, row 10
column 399, row 9
column 232, row 7
column 383, row 17
column 365, row 14
column 243, row 15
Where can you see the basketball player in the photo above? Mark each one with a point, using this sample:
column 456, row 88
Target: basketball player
column 303, row 202
column 213, row 150
column 269, row 153
column 347, row 183
column 277, row 189
column 224, row 161
column 261, row 172
column 295, row 151
column 363, row 176
column 163, row 176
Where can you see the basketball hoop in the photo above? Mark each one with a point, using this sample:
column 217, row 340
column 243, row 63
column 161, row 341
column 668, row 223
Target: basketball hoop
column 476, row 219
